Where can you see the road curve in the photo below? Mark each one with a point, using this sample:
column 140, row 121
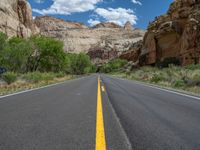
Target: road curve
column 64, row 117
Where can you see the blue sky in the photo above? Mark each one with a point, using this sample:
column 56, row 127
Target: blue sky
column 91, row 12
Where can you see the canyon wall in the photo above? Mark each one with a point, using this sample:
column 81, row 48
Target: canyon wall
column 16, row 18
column 102, row 42
column 175, row 34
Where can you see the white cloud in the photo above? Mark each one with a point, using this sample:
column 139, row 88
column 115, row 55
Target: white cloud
column 119, row 16
column 137, row 2
column 93, row 22
column 39, row 1
column 66, row 7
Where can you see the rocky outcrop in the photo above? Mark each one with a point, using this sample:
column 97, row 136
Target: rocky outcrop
column 128, row 26
column 176, row 34
column 133, row 53
column 47, row 23
column 102, row 42
column 16, row 18
column 107, row 25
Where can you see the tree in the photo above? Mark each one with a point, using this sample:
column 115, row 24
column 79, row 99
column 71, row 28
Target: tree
column 49, row 55
column 15, row 54
column 80, row 64
column 3, row 39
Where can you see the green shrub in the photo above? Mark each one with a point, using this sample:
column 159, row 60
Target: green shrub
column 156, row 78
column 60, row 75
column 48, row 76
column 80, row 64
column 9, row 77
column 179, row 83
column 113, row 65
column 34, row 77
column 193, row 67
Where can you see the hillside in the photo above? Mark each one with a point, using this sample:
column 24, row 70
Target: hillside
column 102, row 42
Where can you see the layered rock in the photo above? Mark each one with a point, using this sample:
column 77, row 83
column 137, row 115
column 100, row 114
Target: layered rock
column 107, row 25
column 16, row 18
column 176, row 34
column 102, row 42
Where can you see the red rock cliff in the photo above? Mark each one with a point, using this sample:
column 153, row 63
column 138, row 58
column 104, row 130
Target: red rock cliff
column 176, row 34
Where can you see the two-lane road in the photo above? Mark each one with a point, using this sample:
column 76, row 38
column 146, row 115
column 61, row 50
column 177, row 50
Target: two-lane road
column 92, row 114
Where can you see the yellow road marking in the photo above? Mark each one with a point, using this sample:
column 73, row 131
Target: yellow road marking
column 100, row 133
column 103, row 89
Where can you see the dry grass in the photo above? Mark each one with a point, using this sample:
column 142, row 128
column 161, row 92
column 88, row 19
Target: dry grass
column 182, row 78
column 21, row 84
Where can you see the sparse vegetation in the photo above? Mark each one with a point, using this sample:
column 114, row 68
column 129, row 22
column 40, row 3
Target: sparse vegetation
column 9, row 77
column 183, row 78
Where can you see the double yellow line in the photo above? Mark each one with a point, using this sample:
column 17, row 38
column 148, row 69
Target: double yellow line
column 100, row 133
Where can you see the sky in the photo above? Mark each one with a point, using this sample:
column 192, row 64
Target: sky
column 90, row 12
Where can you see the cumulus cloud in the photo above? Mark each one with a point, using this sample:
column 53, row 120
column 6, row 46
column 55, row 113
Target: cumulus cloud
column 66, row 7
column 39, row 1
column 137, row 2
column 119, row 16
column 93, row 22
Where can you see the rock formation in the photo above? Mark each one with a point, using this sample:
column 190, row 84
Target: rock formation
column 16, row 18
column 107, row 25
column 102, row 42
column 128, row 26
column 176, row 34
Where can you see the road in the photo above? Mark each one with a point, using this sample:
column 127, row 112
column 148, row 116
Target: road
column 93, row 113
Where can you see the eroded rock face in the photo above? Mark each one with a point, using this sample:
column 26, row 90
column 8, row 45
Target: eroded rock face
column 128, row 26
column 16, row 18
column 107, row 25
column 176, row 34
column 102, row 42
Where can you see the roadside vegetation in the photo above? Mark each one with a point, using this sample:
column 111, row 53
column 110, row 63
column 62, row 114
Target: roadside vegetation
column 37, row 61
column 183, row 78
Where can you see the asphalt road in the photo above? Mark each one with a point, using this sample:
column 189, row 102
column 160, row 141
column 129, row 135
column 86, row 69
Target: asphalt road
column 135, row 116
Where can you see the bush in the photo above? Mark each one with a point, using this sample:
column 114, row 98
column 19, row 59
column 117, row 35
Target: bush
column 60, row 75
column 179, row 83
column 80, row 64
column 156, row 78
column 113, row 65
column 9, row 77
column 193, row 67
column 36, row 77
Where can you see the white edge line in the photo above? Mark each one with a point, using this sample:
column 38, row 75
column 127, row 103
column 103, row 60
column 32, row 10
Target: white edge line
column 39, row 88
column 162, row 89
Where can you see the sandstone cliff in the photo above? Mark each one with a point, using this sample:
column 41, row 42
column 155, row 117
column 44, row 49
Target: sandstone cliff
column 176, row 34
column 102, row 42
column 16, row 18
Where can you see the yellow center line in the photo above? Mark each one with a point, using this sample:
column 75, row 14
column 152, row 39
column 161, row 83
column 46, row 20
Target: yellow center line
column 100, row 133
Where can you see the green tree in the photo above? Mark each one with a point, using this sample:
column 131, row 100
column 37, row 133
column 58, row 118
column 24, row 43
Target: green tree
column 3, row 39
column 113, row 65
column 15, row 54
column 80, row 64
column 49, row 55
